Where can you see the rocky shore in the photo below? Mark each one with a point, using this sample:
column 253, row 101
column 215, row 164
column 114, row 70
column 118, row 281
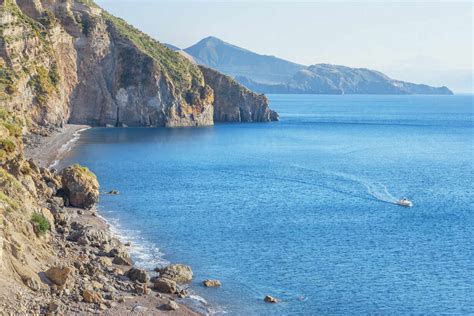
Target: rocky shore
column 93, row 273
column 57, row 256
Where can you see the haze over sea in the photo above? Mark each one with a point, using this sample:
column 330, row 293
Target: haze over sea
column 303, row 209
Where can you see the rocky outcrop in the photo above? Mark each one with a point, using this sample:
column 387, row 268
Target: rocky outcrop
column 211, row 283
column 80, row 186
column 70, row 61
column 179, row 273
column 270, row 299
column 235, row 103
column 58, row 275
column 164, row 285
column 137, row 274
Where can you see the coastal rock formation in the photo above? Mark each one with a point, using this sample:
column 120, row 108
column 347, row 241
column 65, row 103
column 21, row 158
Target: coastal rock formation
column 165, row 285
column 235, row 103
column 81, row 186
column 212, row 283
column 177, row 272
column 70, row 61
column 270, row 299
column 137, row 274
column 66, row 266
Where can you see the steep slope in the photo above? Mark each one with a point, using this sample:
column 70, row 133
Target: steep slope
column 268, row 74
column 70, row 61
column 235, row 61
column 235, row 103
column 86, row 66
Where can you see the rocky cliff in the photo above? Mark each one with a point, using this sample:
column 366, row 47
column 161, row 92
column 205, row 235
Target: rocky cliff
column 70, row 61
column 235, row 103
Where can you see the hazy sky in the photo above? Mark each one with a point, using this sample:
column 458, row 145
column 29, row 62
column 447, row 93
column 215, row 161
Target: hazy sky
column 429, row 42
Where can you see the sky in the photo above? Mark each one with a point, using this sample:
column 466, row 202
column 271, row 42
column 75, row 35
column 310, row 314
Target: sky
column 420, row 41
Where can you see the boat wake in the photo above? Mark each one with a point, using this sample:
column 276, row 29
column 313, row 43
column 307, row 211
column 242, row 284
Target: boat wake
column 335, row 181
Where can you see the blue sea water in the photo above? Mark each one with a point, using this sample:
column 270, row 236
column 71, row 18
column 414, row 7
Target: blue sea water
column 302, row 209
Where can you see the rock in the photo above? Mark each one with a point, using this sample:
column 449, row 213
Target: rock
column 142, row 289
column 270, row 299
column 58, row 275
column 102, row 307
column 139, row 309
column 123, row 260
column 177, row 272
column 113, row 192
column 136, row 274
column 97, row 285
column 171, row 306
column 105, row 261
column 91, row 296
column 121, row 256
column 80, row 186
column 211, row 283
column 53, row 307
column 164, row 285
column 234, row 102
column 182, row 293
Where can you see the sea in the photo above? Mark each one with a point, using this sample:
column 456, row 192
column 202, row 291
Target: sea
column 303, row 209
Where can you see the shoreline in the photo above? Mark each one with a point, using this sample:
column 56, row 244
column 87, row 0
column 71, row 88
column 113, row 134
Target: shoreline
column 47, row 152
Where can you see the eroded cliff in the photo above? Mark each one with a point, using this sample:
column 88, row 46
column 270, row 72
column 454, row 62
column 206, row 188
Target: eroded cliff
column 234, row 102
column 70, row 61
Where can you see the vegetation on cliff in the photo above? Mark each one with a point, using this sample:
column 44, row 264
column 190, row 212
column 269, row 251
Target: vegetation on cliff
column 180, row 70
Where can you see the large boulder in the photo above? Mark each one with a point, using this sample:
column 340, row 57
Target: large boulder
column 80, row 186
column 91, row 296
column 58, row 275
column 137, row 274
column 164, row 285
column 177, row 272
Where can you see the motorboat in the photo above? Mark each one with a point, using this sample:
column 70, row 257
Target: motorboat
column 405, row 203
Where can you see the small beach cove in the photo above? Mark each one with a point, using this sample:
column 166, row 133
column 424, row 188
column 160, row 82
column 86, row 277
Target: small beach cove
column 298, row 209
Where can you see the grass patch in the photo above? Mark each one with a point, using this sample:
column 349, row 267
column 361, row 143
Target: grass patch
column 40, row 223
column 181, row 71
column 7, row 145
column 83, row 171
column 12, row 205
column 43, row 84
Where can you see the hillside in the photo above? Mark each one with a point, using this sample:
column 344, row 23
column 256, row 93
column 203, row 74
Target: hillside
column 238, row 62
column 71, row 61
column 269, row 74
column 334, row 79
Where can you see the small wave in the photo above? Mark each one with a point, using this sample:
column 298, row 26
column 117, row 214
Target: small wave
column 144, row 253
column 65, row 148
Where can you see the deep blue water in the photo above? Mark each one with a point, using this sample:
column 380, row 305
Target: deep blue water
column 301, row 209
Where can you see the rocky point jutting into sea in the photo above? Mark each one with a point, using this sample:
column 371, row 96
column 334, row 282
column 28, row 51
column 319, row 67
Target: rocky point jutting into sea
column 69, row 61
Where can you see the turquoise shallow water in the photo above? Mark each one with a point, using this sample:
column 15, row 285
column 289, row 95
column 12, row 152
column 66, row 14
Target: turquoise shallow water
column 301, row 209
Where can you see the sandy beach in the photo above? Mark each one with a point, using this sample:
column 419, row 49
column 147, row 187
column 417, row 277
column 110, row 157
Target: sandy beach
column 48, row 150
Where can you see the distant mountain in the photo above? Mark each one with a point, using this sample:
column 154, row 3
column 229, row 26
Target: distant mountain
column 334, row 79
column 269, row 74
column 238, row 62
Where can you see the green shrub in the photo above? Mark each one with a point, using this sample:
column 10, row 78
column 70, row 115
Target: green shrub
column 14, row 129
column 7, row 145
column 40, row 223
column 48, row 19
